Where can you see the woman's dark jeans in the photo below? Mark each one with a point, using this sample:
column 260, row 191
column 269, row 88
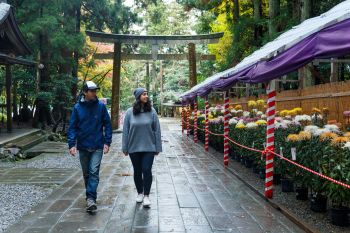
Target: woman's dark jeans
column 142, row 163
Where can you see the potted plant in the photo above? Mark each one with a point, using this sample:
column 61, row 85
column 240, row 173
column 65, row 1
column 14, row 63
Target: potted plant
column 339, row 169
column 321, row 151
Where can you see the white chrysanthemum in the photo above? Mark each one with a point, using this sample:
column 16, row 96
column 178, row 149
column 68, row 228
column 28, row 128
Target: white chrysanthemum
column 259, row 113
column 279, row 125
column 233, row 111
column 233, row 121
column 318, row 132
column 332, row 128
column 311, row 128
column 212, row 109
column 287, row 122
column 263, row 116
column 252, row 125
column 240, row 110
column 254, row 110
column 223, row 111
column 347, row 146
column 299, row 118
column 246, row 114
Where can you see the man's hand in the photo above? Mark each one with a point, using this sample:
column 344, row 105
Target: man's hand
column 73, row 151
column 126, row 153
column 157, row 153
column 105, row 149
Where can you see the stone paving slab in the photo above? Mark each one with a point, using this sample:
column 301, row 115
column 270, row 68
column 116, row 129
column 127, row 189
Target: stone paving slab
column 48, row 147
column 35, row 175
column 190, row 193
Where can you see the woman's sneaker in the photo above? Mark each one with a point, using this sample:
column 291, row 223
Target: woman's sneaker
column 139, row 198
column 90, row 205
column 146, row 202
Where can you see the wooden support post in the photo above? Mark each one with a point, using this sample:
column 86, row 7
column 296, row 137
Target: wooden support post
column 116, row 86
column 147, row 76
column 247, row 87
column 8, row 97
column 334, row 71
column 192, row 64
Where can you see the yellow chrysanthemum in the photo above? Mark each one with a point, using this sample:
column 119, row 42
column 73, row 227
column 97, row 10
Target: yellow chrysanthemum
column 261, row 122
column 238, row 107
column 316, row 110
column 304, row 135
column 240, row 126
column 328, row 136
column 339, row 141
column 292, row 113
column 284, row 113
column 260, row 102
column 251, row 104
column 293, row 138
column 203, row 122
column 298, row 111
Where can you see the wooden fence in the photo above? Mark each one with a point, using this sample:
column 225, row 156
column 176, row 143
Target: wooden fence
column 334, row 96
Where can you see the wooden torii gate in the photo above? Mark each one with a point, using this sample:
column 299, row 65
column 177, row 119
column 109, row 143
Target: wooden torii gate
column 155, row 41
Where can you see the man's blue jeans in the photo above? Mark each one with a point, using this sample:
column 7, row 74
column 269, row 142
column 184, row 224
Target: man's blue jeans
column 90, row 164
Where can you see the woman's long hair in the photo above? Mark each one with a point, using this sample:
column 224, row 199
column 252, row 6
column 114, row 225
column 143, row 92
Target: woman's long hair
column 138, row 106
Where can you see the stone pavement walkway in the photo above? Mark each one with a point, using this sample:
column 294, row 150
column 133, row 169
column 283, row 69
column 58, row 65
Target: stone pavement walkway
column 191, row 193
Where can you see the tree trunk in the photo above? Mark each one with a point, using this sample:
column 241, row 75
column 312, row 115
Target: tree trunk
column 76, row 53
column 257, row 18
column 42, row 113
column 274, row 11
column 294, row 9
column 306, row 9
column 235, row 21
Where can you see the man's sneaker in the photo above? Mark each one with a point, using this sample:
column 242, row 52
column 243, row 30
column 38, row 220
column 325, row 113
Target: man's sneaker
column 91, row 205
column 139, row 198
column 146, row 201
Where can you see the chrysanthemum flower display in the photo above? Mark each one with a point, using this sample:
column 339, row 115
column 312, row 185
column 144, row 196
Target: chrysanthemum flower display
column 339, row 141
column 293, row 138
column 238, row 107
column 328, row 136
column 240, row 125
column 304, row 135
column 251, row 125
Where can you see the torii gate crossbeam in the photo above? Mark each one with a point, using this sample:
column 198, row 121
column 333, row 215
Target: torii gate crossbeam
column 156, row 40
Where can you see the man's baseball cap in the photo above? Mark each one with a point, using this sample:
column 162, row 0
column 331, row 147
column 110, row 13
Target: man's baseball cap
column 90, row 85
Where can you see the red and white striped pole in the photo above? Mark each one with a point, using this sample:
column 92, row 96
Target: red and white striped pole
column 183, row 118
column 226, row 145
column 270, row 137
column 195, row 137
column 188, row 120
column 206, row 144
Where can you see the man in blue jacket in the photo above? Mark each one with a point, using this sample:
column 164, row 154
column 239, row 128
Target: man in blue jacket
column 90, row 132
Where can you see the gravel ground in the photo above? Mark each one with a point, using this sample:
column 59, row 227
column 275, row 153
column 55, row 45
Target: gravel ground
column 59, row 160
column 16, row 200
column 301, row 209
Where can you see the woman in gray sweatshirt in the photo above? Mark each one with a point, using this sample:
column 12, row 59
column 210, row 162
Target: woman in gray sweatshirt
column 142, row 141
